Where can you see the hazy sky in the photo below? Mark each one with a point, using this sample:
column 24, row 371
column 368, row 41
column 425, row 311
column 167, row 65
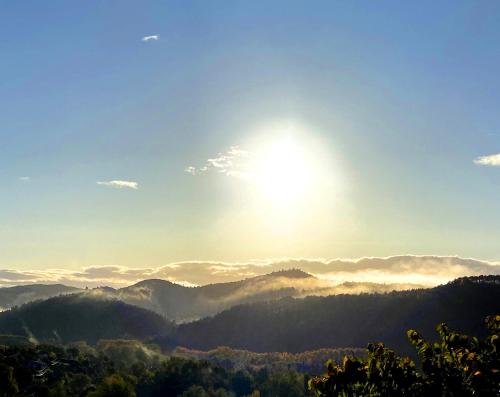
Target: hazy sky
column 139, row 133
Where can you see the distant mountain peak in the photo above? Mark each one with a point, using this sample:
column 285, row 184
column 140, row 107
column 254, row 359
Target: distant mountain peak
column 487, row 279
column 153, row 282
column 289, row 273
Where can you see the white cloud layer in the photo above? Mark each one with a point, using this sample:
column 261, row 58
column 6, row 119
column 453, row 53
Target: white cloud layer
column 153, row 37
column 25, row 179
column 424, row 270
column 119, row 184
column 492, row 160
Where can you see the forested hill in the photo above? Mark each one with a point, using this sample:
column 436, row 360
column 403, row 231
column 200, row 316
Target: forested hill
column 183, row 304
column 77, row 317
column 21, row 294
column 297, row 325
column 180, row 303
column 289, row 324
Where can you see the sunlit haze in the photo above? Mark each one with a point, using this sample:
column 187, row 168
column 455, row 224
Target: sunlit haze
column 249, row 198
column 141, row 135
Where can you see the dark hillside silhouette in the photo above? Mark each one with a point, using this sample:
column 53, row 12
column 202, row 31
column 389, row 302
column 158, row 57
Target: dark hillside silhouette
column 76, row 317
column 297, row 325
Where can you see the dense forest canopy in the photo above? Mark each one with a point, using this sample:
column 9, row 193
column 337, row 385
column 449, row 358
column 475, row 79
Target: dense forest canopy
column 71, row 318
column 346, row 320
column 89, row 345
column 458, row 365
column 285, row 325
column 180, row 303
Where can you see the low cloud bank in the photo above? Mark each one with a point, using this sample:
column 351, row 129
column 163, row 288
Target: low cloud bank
column 423, row 270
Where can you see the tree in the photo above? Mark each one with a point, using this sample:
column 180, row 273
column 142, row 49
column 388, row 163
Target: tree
column 195, row 391
column 114, row 386
column 8, row 384
column 457, row 365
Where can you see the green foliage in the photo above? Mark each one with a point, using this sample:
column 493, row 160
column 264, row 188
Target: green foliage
column 457, row 365
column 309, row 362
column 114, row 386
column 283, row 384
column 8, row 384
column 129, row 368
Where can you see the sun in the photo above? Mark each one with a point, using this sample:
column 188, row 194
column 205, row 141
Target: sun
column 283, row 171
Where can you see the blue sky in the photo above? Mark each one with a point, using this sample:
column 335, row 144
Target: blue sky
column 391, row 101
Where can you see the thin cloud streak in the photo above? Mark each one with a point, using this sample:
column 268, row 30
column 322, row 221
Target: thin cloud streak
column 154, row 37
column 119, row 184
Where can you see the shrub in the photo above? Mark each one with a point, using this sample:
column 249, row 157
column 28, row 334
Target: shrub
column 457, row 365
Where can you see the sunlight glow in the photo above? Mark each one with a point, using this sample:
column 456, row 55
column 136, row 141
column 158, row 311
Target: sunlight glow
column 289, row 184
column 283, row 172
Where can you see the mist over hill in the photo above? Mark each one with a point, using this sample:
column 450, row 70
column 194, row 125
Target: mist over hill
column 286, row 324
column 78, row 317
column 21, row 294
column 296, row 325
column 180, row 303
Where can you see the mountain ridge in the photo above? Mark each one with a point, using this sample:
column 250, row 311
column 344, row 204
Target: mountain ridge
column 21, row 294
column 287, row 324
column 182, row 303
column 74, row 317
column 312, row 323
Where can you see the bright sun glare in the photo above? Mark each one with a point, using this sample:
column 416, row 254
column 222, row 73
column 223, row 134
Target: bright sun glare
column 282, row 171
column 286, row 167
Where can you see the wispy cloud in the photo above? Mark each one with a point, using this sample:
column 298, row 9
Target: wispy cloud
column 424, row 270
column 492, row 160
column 119, row 184
column 25, row 179
column 233, row 162
column 153, row 37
